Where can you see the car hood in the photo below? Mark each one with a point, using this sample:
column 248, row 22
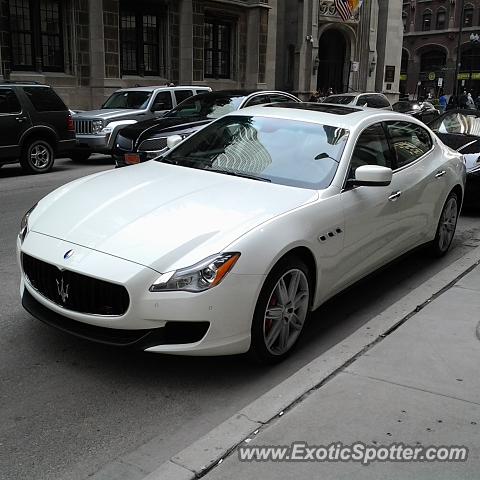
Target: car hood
column 107, row 113
column 161, row 216
column 165, row 125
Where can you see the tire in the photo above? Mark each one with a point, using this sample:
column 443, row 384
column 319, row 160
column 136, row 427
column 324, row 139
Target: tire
column 37, row 156
column 275, row 334
column 446, row 226
column 80, row 155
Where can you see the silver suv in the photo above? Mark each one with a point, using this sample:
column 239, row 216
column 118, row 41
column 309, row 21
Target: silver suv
column 96, row 130
column 372, row 100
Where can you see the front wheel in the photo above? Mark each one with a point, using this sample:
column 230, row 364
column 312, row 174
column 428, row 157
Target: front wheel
column 446, row 226
column 281, row 311
column 37, row 156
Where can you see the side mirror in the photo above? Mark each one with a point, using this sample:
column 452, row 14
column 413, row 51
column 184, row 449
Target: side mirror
column 173, row 140
column 372, row 176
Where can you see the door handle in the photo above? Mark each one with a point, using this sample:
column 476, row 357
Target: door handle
column 20, row 119
column 394, row 196
column 440, row 173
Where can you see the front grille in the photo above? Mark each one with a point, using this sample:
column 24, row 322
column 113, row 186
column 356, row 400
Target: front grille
column 153, row 144
column 83, row 127
column 74, row 291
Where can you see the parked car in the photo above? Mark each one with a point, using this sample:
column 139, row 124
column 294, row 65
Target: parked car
column 372, row 100
column 36, row 126
column 97, row 129
column 146, row 140
column 460, row 130
column 424, row 111
column 226, row 243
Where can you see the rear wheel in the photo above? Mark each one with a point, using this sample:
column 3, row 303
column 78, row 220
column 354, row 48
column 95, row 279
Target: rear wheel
column 446, row 226
column 281, row 311
column 37, row 156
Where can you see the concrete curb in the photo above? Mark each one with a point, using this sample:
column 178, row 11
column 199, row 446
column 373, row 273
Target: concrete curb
column 202, row 455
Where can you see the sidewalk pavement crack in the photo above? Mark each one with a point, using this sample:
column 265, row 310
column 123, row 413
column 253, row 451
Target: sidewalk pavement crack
column 349, row 372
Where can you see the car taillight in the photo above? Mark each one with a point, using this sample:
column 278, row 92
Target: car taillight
column 70, row 124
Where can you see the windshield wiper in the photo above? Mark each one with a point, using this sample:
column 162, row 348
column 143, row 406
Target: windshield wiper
column 238, row 174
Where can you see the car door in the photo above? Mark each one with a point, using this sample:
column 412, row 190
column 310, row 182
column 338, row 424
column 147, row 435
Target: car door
column 13, row 123
column 369, row 211
column 419, row 178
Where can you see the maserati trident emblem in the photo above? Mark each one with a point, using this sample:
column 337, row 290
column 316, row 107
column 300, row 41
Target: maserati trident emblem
column 62, row 290
column 68, row 254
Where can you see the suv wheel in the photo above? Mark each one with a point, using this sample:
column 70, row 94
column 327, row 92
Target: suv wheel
column 37, row 156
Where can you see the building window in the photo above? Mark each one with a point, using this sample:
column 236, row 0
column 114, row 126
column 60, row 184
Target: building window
column 433, row 60
column 217, row 49
column 427, row 21
column 468, row 16
column 441, row 19
column 142, row 43
column 405, row 21
column 36, row 35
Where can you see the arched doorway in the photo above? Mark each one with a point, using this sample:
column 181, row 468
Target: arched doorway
column 331, row 55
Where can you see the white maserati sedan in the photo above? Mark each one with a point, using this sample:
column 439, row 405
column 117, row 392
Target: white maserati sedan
column 226, row 243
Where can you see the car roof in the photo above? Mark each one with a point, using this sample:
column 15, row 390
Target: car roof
column 342, row 116
column 354, row 94
column 152, row 88
column 6, row 83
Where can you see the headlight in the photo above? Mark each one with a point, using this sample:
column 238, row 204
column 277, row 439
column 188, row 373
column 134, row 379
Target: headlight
column 97, row 126
column 24, row 225
column 199, row 277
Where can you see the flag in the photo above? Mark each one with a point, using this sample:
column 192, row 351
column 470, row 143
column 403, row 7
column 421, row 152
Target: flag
column 344, row 9
column 355, row 5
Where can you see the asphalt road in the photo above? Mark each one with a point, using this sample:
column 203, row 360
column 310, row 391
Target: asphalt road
column 70, row 409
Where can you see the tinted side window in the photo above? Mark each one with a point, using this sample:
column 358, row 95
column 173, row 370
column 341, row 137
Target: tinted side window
column 362, row 101
column 44, row 99
column 163, row 101
column 277, row 98
column 409, row 141
column 371, row 149
column 8, row 101
column 181, row 95
column 257, row 100
column 382, row 101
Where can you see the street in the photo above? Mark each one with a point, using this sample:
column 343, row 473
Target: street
column 72, row 409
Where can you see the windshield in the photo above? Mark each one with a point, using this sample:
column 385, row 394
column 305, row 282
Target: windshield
column 206, row 105
column 281, row 151
column 458, row 123
column 339, row 99
column 132, row 99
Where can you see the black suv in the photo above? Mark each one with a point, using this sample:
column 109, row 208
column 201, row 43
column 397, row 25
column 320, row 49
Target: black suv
column 35, row 126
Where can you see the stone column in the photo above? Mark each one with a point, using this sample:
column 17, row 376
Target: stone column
column 97, row 52
column 252, row 61
column 389, row 45
column 271, row 45
column 186, row 42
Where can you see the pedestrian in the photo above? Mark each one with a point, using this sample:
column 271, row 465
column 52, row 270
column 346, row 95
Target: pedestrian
column 442, row 101
column 462, row 101
column 470, row 102
column 477, row 101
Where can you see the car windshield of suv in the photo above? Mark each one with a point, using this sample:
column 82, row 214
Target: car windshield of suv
column 133, row 99
column 457, row 123
column 206, row 105
column 281, row 151
column 339, row 99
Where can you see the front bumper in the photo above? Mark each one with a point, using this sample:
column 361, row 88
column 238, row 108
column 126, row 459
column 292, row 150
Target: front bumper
column 215, row 322
column 94, row 143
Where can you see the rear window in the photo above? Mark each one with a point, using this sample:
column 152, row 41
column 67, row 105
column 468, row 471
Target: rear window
column 181, row 95
column 8, row 101
column 44, row 99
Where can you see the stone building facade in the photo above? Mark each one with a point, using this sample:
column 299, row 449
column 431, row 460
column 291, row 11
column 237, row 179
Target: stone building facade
column 318, row 50
column 88, row 48
column 431, row 35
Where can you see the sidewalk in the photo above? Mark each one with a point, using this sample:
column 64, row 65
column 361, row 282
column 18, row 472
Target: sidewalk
column 419, row 385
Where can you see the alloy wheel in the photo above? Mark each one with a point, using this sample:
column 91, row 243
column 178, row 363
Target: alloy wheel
column 40, row 156
column 448, row 223
column 286, row 311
